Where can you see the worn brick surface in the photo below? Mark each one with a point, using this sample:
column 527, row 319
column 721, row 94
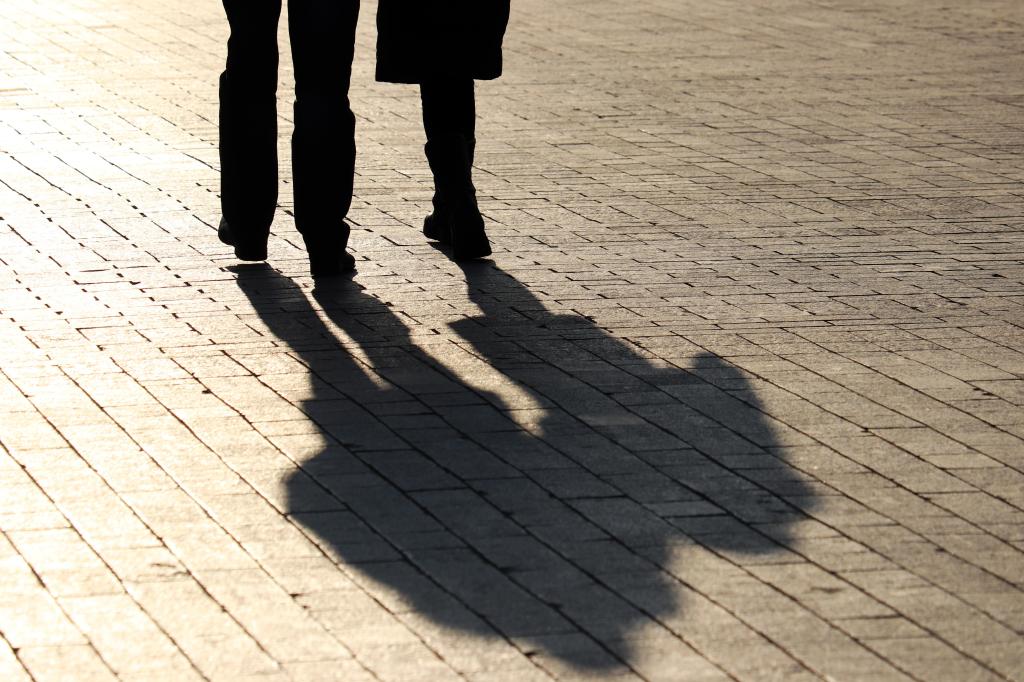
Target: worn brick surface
column 738, row 397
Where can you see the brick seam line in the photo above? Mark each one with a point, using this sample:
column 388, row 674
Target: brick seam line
column 14, row 652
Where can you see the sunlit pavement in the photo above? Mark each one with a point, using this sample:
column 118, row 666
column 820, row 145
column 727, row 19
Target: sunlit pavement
column 738, row 397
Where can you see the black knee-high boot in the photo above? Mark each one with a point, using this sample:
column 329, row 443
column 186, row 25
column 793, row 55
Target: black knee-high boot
column 456, row 219
column 449, row 120
column 437, row 226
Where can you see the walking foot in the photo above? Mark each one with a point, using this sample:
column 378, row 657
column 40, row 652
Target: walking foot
column 248, row 252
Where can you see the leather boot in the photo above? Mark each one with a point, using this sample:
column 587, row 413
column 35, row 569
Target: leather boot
column 456, row 219
column 437, row 225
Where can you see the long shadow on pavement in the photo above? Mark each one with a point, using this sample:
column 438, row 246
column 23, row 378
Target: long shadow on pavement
column 523, row 474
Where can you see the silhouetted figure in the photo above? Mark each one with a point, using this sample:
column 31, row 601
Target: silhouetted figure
column 322, row 36
column 444, row 46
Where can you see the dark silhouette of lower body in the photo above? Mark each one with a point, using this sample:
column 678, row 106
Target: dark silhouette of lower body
column 449, row 120
column 444, row 47
column 322, row 36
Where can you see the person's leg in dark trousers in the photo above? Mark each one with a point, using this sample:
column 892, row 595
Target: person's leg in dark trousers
column 449, row 120
column 323, row 145
column 248, row 126
column 449, row 106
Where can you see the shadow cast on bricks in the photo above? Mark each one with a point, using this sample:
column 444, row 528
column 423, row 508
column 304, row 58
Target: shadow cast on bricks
column 521, row 474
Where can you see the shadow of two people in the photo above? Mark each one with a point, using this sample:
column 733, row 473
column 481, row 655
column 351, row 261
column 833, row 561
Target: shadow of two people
column 524, row 474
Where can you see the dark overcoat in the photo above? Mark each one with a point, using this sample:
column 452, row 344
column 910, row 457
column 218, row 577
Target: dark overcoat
column 421, row 40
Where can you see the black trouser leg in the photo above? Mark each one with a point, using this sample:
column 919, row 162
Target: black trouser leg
column 323, row 145
column 449, row 106
column 248, row 119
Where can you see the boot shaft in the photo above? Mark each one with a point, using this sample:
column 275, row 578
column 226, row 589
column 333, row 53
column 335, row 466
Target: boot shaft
column 450, row 158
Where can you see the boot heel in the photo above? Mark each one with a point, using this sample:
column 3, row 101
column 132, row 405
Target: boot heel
column 469, row 238
column 438, row 225
column 437, row 228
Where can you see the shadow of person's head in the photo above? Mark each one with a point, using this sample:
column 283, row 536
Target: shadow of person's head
column 524, row 473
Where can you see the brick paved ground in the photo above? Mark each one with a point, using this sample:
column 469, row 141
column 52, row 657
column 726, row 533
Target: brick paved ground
column 739, row 397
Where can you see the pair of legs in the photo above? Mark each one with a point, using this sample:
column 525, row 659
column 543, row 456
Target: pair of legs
column 322, row 36
column 449, row 120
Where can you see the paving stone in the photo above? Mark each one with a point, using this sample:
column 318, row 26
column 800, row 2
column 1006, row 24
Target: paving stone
column 30, row 615
column 65, row 563
column 55, row 662
column 271, row 616
column 327, row 671
column 109, row 619
column 216, row 644
column 924, row 657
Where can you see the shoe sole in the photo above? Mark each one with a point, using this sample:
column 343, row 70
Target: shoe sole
column 472, row 254
column 250, row 255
